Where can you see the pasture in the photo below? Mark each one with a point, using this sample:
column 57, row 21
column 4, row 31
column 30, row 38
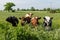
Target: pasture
column 8, row 32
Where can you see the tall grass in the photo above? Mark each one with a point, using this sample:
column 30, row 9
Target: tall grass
column 8, row 32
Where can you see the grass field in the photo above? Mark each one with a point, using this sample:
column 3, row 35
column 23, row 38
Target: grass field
column 7, row 32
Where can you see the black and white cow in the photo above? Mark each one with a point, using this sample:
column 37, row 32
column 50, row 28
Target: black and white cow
column 47, row 22
column 13, row 20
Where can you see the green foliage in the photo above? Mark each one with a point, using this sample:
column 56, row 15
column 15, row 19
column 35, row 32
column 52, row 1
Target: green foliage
column 26, row 34
column 52, row 11
column 32, row 9
column 8, row 6
column 44, row 9
column 13, row 10
column 23, row 9
column 48, row 9
column 8, row 32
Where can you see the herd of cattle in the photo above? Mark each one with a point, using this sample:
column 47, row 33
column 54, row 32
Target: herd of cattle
column 29, row 19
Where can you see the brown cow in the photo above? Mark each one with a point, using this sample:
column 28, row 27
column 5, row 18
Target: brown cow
column 29, row 15
column 25, row 20
column 34, row 21
column 22, row 20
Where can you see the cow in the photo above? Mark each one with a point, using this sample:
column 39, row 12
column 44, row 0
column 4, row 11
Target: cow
column 23, row 20
column 34, row 21
column 29, row 15
column 47, row 22
column 26, row 19
column 13, row 20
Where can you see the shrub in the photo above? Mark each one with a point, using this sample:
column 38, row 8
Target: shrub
column 52, row 11
column 26, row 34
column 8, row 32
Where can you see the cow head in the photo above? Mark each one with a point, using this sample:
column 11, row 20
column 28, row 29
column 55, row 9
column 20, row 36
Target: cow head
column 48, row 20
column 28, row 19
column 34, row 21
column 22, row 20
column 29, row 15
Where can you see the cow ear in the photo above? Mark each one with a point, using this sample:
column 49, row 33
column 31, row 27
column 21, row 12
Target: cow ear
column 43, row 17
column 19, row 18
column 39, row 18
column 51, row 18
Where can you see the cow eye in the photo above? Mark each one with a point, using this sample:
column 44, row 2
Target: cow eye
column 44, row 18
column 50, row 20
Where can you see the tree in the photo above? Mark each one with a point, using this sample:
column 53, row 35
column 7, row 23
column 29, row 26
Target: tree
column 23, row 9
column 8, row 6
column 28, row 9
column 32, row 9
column 52, row 11
column 44, row 9
column 48, row 9
column 18, row 9
column 37, row 9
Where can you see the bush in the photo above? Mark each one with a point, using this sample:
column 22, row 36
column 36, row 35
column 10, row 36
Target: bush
column 52, row 11
column 24, row 34
column 13, row 10
column 9, row 32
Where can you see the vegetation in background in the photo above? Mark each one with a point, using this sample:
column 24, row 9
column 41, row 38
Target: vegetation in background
column 8, row 6
column 45, row 9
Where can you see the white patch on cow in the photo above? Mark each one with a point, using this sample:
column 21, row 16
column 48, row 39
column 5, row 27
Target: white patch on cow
column 27, row 15
column 47, row 18
column 36, row 17
column 30, row 13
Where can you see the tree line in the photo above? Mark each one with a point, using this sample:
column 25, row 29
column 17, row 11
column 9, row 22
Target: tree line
column 8, row 7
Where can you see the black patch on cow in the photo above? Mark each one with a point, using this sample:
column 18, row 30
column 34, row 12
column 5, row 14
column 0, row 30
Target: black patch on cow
column 49, row 24
column 28, row 19
column 13, row 20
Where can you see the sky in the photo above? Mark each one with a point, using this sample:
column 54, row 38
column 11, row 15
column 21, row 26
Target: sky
column 38, row 4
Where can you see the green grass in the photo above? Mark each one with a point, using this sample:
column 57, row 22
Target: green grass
column 8, row 32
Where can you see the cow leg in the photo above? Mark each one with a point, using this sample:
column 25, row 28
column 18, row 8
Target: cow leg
column 14, row 24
